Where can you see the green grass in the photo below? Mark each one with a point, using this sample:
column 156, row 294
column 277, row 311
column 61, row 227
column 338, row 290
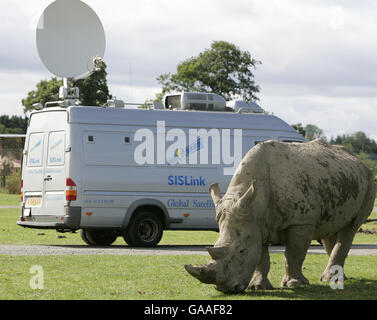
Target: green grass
column 9, row 199
column 10, row 233
column 155, row 277
column 371, row 225
column 164, row 277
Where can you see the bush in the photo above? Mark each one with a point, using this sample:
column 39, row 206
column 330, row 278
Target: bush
column 13, row 183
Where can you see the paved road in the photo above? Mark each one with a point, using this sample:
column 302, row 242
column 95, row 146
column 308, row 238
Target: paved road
column 40, row 250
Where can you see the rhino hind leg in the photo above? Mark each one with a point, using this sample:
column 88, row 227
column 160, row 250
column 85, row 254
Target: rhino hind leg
column 329, row 244
column 298, row 239
column 345, row 236
column 340, row 250
column 260, row 280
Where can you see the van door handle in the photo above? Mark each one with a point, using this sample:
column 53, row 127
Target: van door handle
column 48, row 178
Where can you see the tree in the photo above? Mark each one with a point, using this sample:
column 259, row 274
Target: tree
column 299, row 128
column 357, row 142
column 223, row 69
column 11, row 148
column 369, row 163
column 312, row 132
column 93, row 90
column 13, row 124
column 46, row 91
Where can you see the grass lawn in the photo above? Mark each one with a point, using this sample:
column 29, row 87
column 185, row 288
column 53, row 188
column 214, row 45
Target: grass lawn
column 157, row 277
column 10, row 233
column 9, row 199
column 164, row 277
column 372, row 226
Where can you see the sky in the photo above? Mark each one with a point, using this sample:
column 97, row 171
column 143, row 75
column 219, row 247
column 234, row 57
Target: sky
column 319, row 58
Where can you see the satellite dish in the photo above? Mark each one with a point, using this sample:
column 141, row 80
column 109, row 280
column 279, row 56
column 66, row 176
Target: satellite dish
column 70, row 37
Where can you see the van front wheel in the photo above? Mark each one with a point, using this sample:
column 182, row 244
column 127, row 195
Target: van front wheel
column 144, row 230
column 98, row 237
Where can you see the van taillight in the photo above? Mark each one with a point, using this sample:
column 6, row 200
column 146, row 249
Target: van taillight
column 22, row 190
column 71, row 190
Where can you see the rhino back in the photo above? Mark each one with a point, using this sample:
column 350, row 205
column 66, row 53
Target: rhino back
column 304, row 183
column 315, row 183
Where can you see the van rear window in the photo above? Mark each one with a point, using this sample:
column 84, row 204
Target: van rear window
column 35, row 150
column 56, row 148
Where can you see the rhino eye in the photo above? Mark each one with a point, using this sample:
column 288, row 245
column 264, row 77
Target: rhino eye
column 243, row 251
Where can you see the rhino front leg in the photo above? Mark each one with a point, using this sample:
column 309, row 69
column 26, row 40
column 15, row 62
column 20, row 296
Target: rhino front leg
column 260, row 280
column 329, row 243
column 298, row 239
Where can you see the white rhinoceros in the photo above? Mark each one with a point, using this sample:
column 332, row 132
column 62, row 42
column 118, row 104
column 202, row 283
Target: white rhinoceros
column 287, row 193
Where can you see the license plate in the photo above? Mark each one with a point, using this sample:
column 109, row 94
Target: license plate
column 34, row 202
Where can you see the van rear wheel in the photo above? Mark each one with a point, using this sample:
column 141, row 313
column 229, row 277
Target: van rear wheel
column 98, row 237
column 144, row 230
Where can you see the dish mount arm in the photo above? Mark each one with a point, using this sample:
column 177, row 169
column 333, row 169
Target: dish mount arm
column 69, row 94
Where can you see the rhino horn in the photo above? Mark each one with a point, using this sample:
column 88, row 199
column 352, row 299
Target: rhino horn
column 247, row 197
column 203, row 273
column 215, row 192
column 217, row 252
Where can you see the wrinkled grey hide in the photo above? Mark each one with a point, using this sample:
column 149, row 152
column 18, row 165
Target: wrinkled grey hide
column 291, row 194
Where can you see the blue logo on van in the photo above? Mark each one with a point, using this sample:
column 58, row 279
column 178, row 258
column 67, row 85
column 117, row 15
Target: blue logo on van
column 55, row 160
column 38, row 144
column 33, row 161
column 181, row 153
column 186, row 181
column 59, row 142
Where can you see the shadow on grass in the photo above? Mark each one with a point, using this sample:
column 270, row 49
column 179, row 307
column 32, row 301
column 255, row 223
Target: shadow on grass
column 354, row 289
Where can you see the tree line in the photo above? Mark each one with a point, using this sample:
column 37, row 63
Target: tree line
column 357, row 142
column 13, row 124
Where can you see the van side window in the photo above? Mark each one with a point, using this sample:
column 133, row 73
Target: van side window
column 56, row 150
column 35, row 150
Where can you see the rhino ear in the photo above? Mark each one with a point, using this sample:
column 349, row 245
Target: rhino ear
column 247, row 197
column 217, row 252
column 215, row 192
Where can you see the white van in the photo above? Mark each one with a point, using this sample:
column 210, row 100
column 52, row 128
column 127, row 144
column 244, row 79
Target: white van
column 112, row 172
